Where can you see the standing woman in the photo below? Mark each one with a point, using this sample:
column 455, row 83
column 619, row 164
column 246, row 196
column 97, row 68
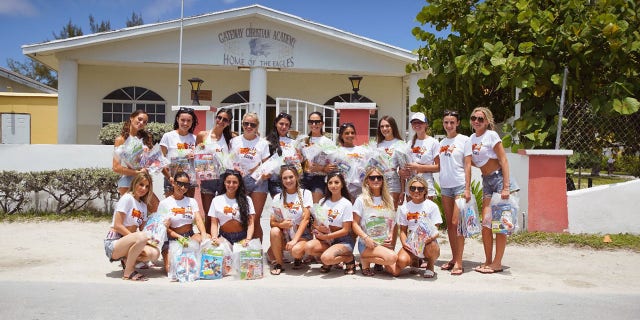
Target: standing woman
column 125, row 240
column 252, row 151
column 388, row 138
column 455, row 182
column 335, row 244
column 409, row 213
column 284, row 146
column 424, row 153
column 133, row 127
column 298, row 203
column 232, row 212
column 487, row 153
column 356, row 154
column 183, row 214
column 315, row 173
column 218, row 140
column 375, row 196
column 179, row 142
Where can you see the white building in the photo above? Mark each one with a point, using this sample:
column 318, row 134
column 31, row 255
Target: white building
column 251, row 54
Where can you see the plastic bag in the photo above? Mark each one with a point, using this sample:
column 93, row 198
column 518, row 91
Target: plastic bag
column 468, row 224
column 206, row 165
column 153, row 159
column 281, row 213
column 227, row 161
column 379, row 224
column 216, row 261
column 504, row 214
column 401, row 155
column 184, row 263
column 248, row 260
column 156, row 229
column 270, row 166
column 130, row 151
column 416, row 239
column 182, row 164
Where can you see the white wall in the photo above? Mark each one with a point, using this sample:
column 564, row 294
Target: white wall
column 605, row 209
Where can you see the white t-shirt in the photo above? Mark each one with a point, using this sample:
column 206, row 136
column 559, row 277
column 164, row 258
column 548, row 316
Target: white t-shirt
column 410, row 213
column 293, row 206
column 250, row 152
column 388, row 146
column 338, row 212
column 177, row 145
column 363, row 212
column 225, row 209
column 452, row 161
column 320, row 159
column 481, row 148
column 425, row 152
column 181, row 212
column 215, row 146
column 135, row 211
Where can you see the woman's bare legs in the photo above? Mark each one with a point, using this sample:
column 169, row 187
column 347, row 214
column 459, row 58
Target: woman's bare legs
column 335, row 254
column 455, row 241
column 132, row 247
column 258, row 199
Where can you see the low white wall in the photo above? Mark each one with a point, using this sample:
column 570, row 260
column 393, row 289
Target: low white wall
column 610, row 208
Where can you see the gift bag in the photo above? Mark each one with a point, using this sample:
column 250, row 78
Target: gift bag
column 182, row 164
column 156, row 230
column 280, row 214
column 504, row 214
column 379, row 224
column 270, row 166
column 417, row 238
column 248, row 260
column 184, row 262
column 206, row 166
column 153, row 159
column 468, row 224
column 215, row 261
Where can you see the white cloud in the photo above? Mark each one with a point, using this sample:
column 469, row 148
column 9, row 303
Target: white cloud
column 229, row 1
column 17, row 8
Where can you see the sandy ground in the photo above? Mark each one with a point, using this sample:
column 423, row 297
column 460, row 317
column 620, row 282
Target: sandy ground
column 73, row 252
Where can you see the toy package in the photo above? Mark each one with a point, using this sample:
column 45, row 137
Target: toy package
column 182, row 164
column 153, row 159
column 468, row 224
column 227, row 161
column 206, row 166
column 379, row 224
column 156, row 229
column 184, row 262
column 504, row 214
column 270, row 166
column 130, row 151
column 318, row 153
column 280, row 213
column 215, row 261
column 417, row 238
column 401, row 155
column 248, row 260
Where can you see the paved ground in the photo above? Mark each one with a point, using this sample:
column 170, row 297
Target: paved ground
column 58, row 270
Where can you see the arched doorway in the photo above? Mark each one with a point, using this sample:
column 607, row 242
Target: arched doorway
column 243, row 97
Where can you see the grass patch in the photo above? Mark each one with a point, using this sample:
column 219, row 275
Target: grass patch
column 87, row 216
column 594, row 241
column 602, row 179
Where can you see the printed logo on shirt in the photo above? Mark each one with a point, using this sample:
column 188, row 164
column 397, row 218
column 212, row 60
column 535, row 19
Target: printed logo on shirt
column 185, row 212
column 476, row 148
column 248, row 153
column 137, row 214
column 415, row 215
column 418, row 151
column 331, row 215
column 229, row 210
column 183, row 146
column 354, row 155
column 447, row 150
column 389, row 151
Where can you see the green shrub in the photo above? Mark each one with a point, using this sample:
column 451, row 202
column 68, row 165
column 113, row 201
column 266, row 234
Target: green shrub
column 110, row 132
column 629, row 164
column 476, row 191
column 14, row 193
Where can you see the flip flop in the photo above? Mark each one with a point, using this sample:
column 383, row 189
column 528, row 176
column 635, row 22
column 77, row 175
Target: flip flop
column 277, row 269
column 447, row 266
column 457, row 272
column 487, row 270
column 135, row 276
column 429, row 274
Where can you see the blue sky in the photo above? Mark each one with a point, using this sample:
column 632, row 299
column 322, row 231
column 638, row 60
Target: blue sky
column 34, row 21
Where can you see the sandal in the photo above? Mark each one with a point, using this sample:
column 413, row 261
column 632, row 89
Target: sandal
column 277, row 269
column 378, row 267
column 429, row 274
column 325, row 269
column 123, row 264
column 447, row 266
column 297, row 264
column 367, row 272
column 457, row 272
column 135, row 276
column 350, row 267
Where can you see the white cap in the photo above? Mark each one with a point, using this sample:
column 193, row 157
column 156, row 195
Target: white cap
column 420, row 117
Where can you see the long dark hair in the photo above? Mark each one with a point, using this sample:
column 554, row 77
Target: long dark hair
column 342, row 129
column 190, row 112
column 344, row 191
column 241, row 196
column 146, row 138
column 274, row 138
column 394, row 128
column 226, row 132
column 180, row 174
column 318, row 113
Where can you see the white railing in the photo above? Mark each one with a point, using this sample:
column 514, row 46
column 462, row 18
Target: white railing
column 299, row 111
column 240, row 109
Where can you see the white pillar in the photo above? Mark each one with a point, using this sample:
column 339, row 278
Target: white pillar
column 414, row 94
column 67, row 102
column 258, row 95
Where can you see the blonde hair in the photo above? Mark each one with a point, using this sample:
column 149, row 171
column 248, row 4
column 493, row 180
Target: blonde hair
column 143, row 175
column 419, row 179
column 251, row 115
column 367, row 195
column 488, row 116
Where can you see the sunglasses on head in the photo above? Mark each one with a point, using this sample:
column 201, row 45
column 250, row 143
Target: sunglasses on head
column 249, row 124
column 314, row 121
column 222, row 119
column 418, row 189
column 479, row 119
column 185, row 109
column 284, row 115
column 375, row 178
column 347, row 124
column 183, row 184
column 451, row 113
column 231, row 172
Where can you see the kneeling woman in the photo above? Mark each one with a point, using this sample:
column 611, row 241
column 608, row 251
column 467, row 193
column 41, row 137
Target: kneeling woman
column 335, row 243
column 126, row 241
column 409, row 214
column 183, row 212
column 232, row 211
column 297, row 202
column 375, row 197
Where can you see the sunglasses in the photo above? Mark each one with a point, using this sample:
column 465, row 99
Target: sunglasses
column 347, row 124
column 249, row 125
column 314, row 121
column 185, row 109
column 222, row 119
column 480, row 119
column 284, row 115
column 183, row 184
column 375, row 178
column 231, row 172
column 451, row 113
column 418, row 189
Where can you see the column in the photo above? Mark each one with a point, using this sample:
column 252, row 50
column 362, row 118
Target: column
column 258, row 95
column 67, row 102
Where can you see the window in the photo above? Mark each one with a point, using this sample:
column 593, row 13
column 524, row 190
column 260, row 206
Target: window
column 118, row 105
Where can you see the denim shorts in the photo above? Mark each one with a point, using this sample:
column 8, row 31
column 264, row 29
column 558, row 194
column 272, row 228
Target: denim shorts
column 393, row 181
column 452, row 192
column 109, row 245
column 313, row 183
column 493, row 183
column 211, row 186
column 347, row 241
column 234, row 237
column 125, row 181
column 250, row 185
column 361, row 246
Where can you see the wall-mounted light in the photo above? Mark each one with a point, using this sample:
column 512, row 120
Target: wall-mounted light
column 195, row 89
column 355, row 86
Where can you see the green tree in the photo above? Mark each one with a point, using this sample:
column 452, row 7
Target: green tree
column 70, row 30
column 102, row 27
column 135, row 20
column 496, row 46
